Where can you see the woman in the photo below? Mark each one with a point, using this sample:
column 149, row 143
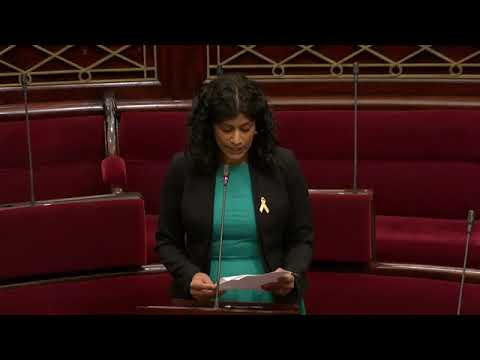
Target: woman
column 267, row 219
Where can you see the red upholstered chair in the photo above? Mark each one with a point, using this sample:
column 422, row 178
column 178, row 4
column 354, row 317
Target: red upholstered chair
column 14, row 181
column 81, row 256
column 423, row 167
column 83, row 234
column 115, row 293
column 349, row 293
column 66, row 154
column 147, row 142
column 344, row 225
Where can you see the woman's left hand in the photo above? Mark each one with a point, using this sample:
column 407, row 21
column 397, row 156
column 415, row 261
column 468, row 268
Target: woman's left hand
column 283, row 286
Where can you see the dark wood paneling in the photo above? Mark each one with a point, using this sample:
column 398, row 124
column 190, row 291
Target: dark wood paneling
column 188, row 66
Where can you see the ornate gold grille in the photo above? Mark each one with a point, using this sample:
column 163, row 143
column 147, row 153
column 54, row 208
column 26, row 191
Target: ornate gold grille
column 335, row 63
column 76, row 64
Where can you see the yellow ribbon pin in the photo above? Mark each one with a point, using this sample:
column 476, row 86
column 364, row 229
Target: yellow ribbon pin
column 264, row 206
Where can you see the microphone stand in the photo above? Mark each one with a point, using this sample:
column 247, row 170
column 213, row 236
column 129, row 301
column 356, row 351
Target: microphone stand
column 29, row 145
column 219, row 269
column 355, row 126
column 470, row 220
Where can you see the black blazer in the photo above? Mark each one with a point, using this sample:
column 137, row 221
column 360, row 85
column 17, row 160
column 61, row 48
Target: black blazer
column 186, row 215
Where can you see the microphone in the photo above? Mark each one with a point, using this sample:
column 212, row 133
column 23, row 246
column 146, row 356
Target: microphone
column 226, row 172
column 29, row 145
column 470, row 221
column 355, row 126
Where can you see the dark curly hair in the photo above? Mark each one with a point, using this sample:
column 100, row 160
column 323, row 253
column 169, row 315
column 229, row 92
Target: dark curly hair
column 221, row 99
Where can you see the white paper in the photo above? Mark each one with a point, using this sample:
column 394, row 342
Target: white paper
column 252, row 282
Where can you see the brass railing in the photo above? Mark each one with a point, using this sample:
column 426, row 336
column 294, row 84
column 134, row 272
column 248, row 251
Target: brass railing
column 77, row 65
column 304, row 63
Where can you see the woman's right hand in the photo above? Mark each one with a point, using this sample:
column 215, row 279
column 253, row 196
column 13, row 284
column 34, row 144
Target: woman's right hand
column 201, row 287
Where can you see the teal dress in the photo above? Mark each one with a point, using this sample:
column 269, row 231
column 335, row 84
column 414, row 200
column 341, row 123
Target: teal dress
column 241, row 252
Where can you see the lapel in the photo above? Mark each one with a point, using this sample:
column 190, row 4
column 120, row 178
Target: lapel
column 202, row 196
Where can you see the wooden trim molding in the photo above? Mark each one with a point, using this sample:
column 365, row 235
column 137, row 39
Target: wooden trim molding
column 143, row 270
column 434, row 272
column 448, row 273
column 321, row 102
column 78, row 199
column 277, row 103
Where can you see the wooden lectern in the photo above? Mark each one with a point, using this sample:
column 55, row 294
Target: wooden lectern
column 190, row 307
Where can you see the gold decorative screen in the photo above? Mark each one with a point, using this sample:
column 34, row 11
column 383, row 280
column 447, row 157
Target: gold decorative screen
column 77, row 64
column 335, row 62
